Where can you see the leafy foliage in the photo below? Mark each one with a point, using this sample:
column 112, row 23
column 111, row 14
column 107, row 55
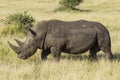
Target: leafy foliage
column 16, row 22
column 69, row 4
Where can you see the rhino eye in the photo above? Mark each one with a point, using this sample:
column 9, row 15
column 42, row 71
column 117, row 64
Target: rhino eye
column 28, row 46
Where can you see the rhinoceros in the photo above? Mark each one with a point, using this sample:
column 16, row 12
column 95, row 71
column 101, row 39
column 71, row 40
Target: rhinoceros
column 56, row 36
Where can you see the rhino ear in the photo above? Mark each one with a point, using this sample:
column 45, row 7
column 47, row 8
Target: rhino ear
column 27, row 29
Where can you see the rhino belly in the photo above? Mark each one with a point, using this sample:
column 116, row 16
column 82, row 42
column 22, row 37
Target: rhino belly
column 80, row 43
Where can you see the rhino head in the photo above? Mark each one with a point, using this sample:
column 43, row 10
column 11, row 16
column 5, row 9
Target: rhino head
column 28, row 47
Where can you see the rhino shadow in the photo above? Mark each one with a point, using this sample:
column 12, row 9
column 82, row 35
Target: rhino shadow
column 116, row 56
column 74, row 57
column 85, row 57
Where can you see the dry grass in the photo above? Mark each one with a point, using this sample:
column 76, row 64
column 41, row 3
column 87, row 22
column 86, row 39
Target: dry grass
column 70, row 67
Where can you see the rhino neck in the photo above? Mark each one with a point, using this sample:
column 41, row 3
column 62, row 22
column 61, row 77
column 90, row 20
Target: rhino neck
column 41, row 29
column 42, row 40
column 41, row 45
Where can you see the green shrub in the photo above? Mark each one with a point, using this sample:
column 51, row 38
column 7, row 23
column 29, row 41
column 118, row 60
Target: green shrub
column 69, row 4
column 16, row 22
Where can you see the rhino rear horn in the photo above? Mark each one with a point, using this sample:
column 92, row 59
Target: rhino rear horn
column 19, row 42
column 16, row 49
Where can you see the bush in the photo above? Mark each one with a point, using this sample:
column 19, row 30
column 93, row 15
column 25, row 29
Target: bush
column 16, row 22
column 69, row 4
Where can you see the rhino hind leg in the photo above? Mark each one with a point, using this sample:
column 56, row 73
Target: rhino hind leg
column 92, row 55
column 108, row 53
column 93, row 51
column 44, row 54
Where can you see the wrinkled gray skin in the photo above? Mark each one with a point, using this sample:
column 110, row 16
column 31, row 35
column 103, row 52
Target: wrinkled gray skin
column 54, row 36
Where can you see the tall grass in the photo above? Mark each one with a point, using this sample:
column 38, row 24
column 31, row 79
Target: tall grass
column 70, row 67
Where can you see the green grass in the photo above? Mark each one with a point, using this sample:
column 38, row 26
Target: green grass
column 70, row 67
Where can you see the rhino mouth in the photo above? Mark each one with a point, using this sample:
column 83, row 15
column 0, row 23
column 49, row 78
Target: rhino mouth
column 22, row 57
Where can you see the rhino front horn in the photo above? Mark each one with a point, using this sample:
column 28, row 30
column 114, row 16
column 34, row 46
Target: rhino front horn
column 19, row 42
column 16, row 49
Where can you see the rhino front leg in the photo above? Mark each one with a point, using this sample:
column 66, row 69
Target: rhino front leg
column 44, row 54
column 56, row 53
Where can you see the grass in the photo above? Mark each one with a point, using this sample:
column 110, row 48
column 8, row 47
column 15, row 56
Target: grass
column 70, row 67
